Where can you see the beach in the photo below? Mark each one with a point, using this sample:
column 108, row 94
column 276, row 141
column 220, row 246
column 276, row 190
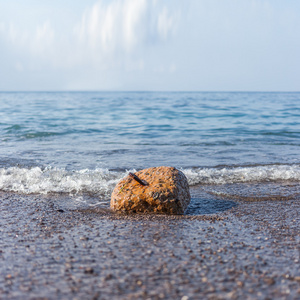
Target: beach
column 62, row 154
column 228, row 250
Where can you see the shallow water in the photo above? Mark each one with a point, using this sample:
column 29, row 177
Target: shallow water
column 83, row 143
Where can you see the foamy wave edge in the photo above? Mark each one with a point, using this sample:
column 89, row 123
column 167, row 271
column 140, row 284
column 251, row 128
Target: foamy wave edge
column 242, row 174
column 56, row 180
column 100, row 182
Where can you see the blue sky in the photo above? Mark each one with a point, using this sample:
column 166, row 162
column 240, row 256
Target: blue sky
column 191, row 45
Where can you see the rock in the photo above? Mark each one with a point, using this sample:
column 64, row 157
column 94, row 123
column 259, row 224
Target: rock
column 167, row 191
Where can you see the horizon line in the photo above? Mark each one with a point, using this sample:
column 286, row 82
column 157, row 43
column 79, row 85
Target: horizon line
column 145, row 91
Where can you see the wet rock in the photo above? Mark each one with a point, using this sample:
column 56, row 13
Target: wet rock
column 166, row 190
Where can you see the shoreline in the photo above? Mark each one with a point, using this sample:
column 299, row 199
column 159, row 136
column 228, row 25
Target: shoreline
column 228, row 249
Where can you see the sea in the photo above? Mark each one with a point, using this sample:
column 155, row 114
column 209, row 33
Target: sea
column 80, row 144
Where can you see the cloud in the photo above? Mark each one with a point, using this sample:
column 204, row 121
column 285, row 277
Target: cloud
column 115, row 37
column 125, row 28
column 107, row 32
column 30, row 46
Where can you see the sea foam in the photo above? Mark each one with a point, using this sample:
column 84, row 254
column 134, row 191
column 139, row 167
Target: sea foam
column 56, row 180
column 242, row 174
column 100, row 182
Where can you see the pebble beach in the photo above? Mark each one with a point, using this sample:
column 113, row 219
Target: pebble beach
column 229, row 250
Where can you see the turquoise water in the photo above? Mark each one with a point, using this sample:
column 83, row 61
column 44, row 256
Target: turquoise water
column 90, row 139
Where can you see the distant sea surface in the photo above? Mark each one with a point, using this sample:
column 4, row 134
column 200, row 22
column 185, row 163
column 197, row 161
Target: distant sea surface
column 84, row 142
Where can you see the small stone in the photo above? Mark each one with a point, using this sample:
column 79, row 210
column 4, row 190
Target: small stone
column 240, row 284
column 68, row 265
column 89, row 270
column 166, row 191
column 269, row 281
column 297, row 278
column 108, row 277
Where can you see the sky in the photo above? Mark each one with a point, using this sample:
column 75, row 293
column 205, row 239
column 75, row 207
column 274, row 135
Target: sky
column 150, row 45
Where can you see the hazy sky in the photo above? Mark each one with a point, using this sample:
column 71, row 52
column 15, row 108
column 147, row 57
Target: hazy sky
column 204, row 45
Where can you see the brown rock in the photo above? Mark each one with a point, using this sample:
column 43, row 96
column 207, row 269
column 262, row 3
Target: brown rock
column 167, row 192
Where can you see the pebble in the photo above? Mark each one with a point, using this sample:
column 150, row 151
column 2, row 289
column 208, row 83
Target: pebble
column 103, row 271
column 89, row 270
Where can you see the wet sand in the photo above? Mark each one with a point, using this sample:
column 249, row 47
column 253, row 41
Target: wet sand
column 223, row 249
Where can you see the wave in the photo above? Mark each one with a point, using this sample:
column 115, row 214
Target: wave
column 243, row 174
column 56, row 180
column 100, row 182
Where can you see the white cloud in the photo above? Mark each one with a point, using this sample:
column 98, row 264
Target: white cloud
column 132, row 23
column 110, row 34
column 39, row 41
column 166, row 23
column 126, row 27
column 42, row 42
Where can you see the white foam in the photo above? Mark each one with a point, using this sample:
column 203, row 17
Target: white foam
column 55, row 180
column 242, row 174
column 100, row 182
